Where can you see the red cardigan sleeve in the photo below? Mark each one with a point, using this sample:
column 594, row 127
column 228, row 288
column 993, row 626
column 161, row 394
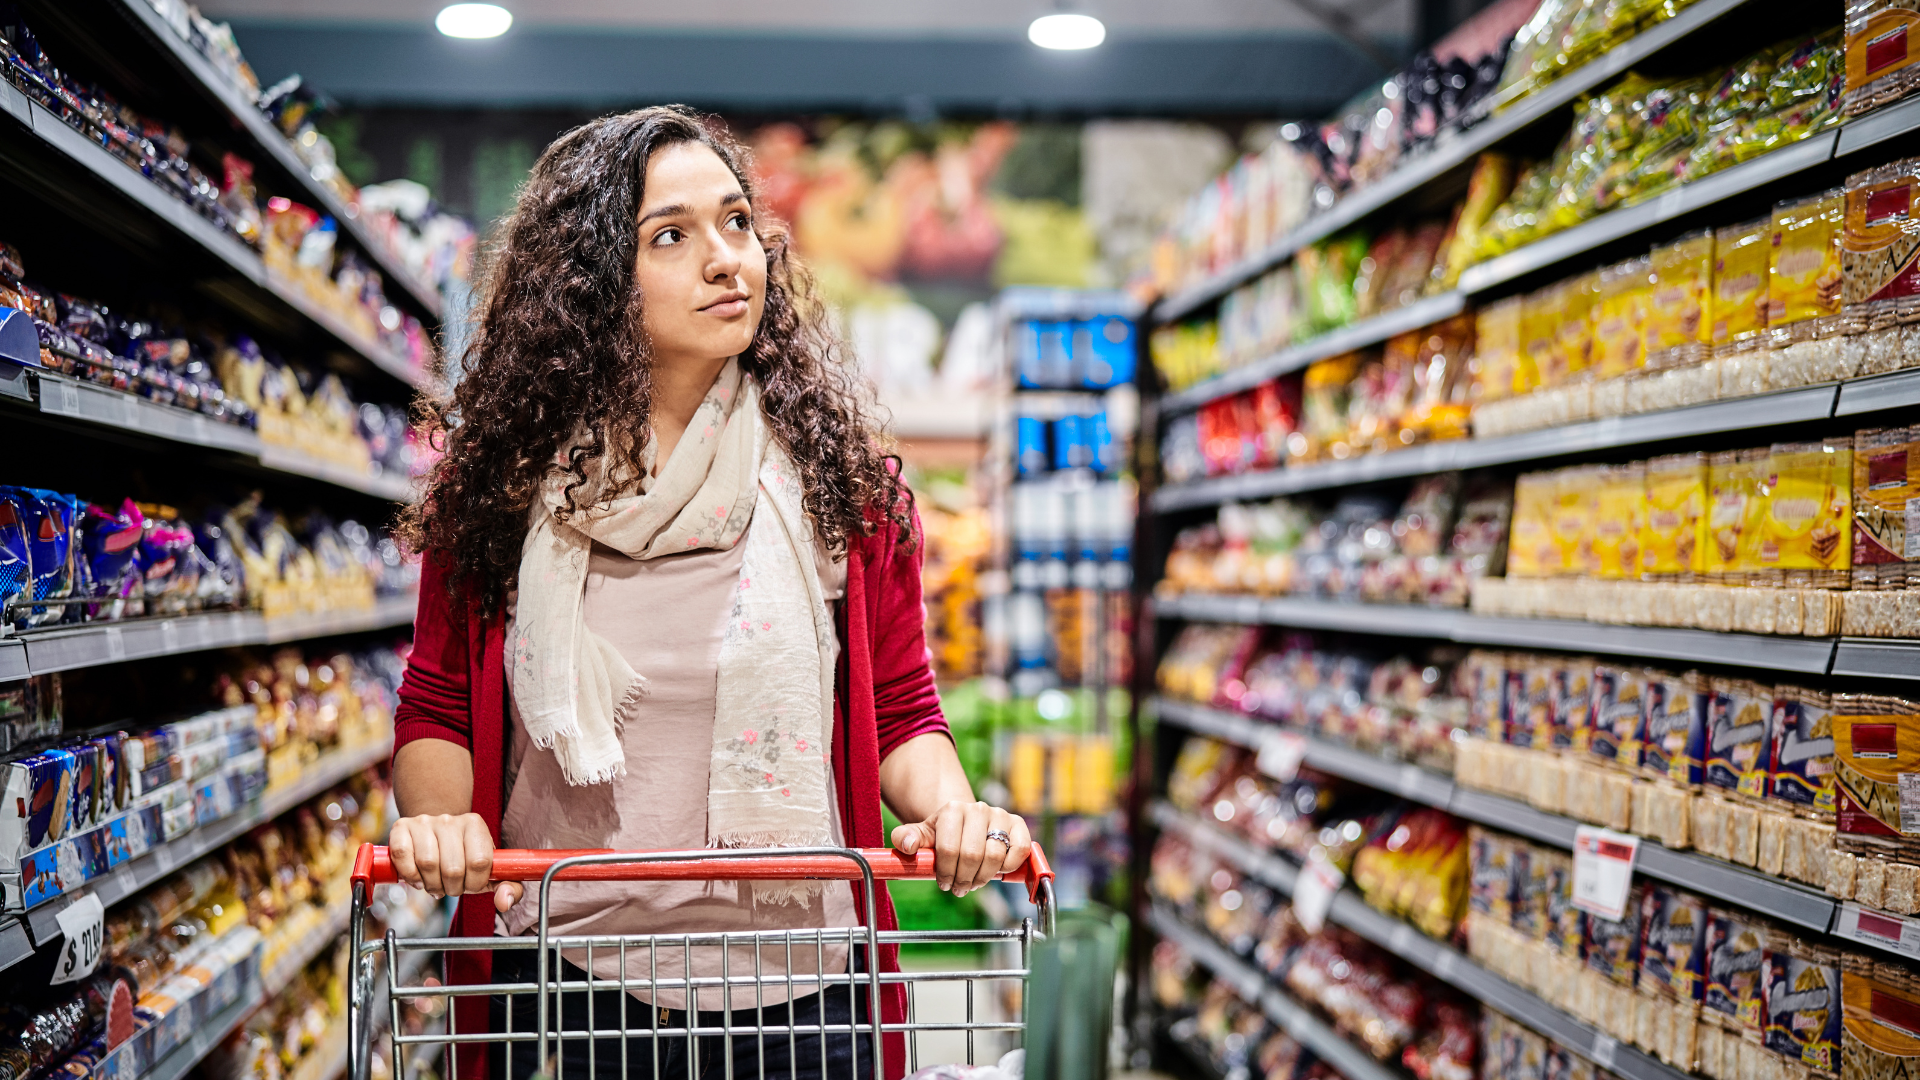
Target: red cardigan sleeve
column 434, row 693
column 906, row 700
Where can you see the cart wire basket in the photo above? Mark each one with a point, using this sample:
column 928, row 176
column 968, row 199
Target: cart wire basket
column 780, row 965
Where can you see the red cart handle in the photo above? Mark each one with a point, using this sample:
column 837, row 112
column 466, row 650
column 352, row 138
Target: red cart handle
column 374, row 866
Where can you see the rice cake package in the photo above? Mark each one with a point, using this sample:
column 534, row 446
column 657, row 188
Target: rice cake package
column 1620, row 496
column 1876, row 747
column 1612, row 948
column 1676, row 329
column 1809, row 512
column 1735, row 949
column 1737, row 738
column 1802, row 757
column 1881, row 253
column 1741, row 271
column 1880, row 1019
column 1676, row 727
column 1882, row 46
column 1674, row 518
column 1801, row 1002
column 1886, row 491
column 1618, row 721
column 1619, row 309
column 1803, row 290
column 1673, row 928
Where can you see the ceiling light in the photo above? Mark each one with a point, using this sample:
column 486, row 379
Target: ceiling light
column 1066, row 32
column 473, row 20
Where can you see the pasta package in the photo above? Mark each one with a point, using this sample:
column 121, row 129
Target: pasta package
column 1674, row 518
column 1886, row 490
column 1876, row 746
column 1883, row 43
column 1619, row 309
column 1673, row 933
column 1676, row 326
column 1802, row 757
column 1880, row 253
column 1736, row 948
column 1737, row 738
column 1618, row 715
column 1804, row 281
column 1801, row 991
column 1619, row 499
column 1741, row 270
column 1809, row 511
column 1676, row 727
column 1497, row 365
column 1880, row 1019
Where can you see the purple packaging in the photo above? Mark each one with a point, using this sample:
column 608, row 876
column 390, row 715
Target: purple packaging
column 84, row 797
column 1613, row 948
column 1676, row 726
column 1738, row 712
column 1673, row 930
column 1618, row 715
column 1802, row 758
column 1736, row 950
column 109, row 542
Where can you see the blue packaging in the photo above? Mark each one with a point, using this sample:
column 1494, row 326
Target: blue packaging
column 83, row 804
column 109, row 542
column 1056, row 355
column 1676, row 727
column 1069, row 448
column 46, row 518
column 1109, row 359
column 1100, row 441
column 1030, row 445
column 16, row 569
column 1026, row 355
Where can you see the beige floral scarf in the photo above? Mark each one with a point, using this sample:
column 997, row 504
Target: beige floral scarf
column 773, row 710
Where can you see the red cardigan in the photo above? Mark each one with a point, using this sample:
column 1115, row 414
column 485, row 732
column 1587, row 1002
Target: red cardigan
column 455, row 689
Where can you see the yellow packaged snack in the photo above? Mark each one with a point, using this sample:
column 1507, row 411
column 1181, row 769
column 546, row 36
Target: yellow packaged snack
column 1809, row 517
column 1620, row 494
column 1741, row 266
column 1496, row 351
column 1879, row 1014
column 1883, row 43
column 1575, row 497
column 1573, row 340
column 1880, row 253
column 1532, row 552
column 1540, row 315
column 1618, row 312
column 1489, row 186
column 1677, row 325
column 1674, row 520
column 1804, row 280
column 1735, row 479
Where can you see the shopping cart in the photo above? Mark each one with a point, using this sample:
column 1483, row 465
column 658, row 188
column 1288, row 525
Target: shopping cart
column 407, row 985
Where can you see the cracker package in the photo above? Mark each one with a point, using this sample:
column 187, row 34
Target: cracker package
column 1801, row 1005
column 1886, row 489
column 1487, row 683
column 1809, row 512
column 1882, row 46
column 1619, row 310
column 1740, row 278
column 1735, row 947
column 1497, row 366
column 1620, row 495
column 1673, row 521
column 1876, row 745
column 1565, row 923
column 1573, row 339
column 1737, row 714
column 1802, row 757
column 1532, row 552
column 1575, row 491
column 1613, row 948
column 1618, row 720
column 1533, row 885
column 1490, row 864
column 1540, row 315
column 1736, row 481
column 1675, row 328
column 1673, row 932
column 1880, row 255
column 1880, row 1018
column 1676, row 726
column 1804, row 282
column 1535, row 707
column 1573, row 700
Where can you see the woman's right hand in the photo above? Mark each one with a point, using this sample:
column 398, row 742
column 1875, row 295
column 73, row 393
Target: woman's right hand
column 448, row 855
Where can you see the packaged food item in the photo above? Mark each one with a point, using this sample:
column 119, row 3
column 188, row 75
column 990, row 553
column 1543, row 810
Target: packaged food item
column 1619, row 315
column 1886, row 485
column 1809, row 520
column 1741, row 274
column 1533, row 552
column 1572, row 354
column 1883, row 42
column 1880, row 1001
column 1673, row 524
column 1805, row 278
column 1738, row 712
column 1676, row 328
column 1881, row 247
column 1533, row 712
column 1487, row 188
column 1803, row 746
column 1497, row 365
column 1673, row 929
column 1619, row 502
column 1541, row 312
column 1491, row 866
column 1735, row 948
column 1575, row 492
column 1735, row 483
column 36, row 803
column 1613, row 948
column 1618, row 721
column 1676, row 727
column 1876, row 741
column 1801, row 989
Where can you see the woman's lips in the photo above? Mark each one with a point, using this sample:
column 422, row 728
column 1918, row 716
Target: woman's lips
column 727, row 309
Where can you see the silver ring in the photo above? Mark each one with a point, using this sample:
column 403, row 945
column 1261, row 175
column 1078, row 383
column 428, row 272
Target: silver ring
column 1000, row 835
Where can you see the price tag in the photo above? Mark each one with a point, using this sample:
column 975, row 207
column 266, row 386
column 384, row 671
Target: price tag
column 1401, row 939
column 1280, row 755
column 1879, row 929
column 1603, row 1047
column 116, row 644
column 82, row 922
column 1603, row 871
column 1313, row 893
column 59, row 397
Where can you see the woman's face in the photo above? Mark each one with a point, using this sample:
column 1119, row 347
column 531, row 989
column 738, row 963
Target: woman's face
column 701, row 271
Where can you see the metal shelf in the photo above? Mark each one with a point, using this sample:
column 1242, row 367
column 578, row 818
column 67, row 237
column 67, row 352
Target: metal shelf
column 1736, row 414
column 228, row 250
column 246, row 115
column 1450, row 154
column 1811, row 656
column 209, row 1034
column 1346, row 339
column 385, row 486
column 1254, row 988
column 1763, row 893
column 91, row 644
column 1878, row 658
column 1439, row 960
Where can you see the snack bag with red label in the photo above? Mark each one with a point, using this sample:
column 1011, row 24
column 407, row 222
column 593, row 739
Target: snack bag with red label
column 1876, row 746
column 1886, row 482
column 1880, row 1017
column 1883, row 44
column 1880, row 252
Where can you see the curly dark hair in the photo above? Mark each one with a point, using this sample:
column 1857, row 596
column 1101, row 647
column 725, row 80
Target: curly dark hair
column 559, row 346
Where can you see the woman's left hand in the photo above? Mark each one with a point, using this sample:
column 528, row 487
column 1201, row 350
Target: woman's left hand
column 965, row 856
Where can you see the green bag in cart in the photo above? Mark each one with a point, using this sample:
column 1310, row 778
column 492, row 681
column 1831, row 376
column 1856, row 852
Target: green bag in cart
column 1069, row 1002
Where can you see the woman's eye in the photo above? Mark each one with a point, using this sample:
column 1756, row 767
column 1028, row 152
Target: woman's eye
column 738, row 223
column 667, row 236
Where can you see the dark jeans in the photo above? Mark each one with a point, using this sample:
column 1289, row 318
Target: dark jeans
column 845, row 1057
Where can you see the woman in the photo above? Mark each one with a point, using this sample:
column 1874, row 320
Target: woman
column 666, row 563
